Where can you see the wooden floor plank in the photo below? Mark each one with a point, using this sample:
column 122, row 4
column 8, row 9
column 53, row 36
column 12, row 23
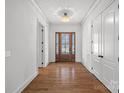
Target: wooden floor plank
column 67, row 77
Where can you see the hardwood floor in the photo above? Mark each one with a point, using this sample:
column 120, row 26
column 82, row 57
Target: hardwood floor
column 66, row 77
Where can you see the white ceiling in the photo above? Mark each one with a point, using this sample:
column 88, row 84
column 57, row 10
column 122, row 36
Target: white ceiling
column 51, row 7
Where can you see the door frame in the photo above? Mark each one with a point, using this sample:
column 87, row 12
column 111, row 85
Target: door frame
column 74, row 44
column 39, row 57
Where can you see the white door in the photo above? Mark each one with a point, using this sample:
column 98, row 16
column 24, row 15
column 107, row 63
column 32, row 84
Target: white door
column 97, row 46
column 110, row 47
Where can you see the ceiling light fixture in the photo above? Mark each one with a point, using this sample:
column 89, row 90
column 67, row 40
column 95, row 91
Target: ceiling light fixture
column 65, row 15
column 65, row 18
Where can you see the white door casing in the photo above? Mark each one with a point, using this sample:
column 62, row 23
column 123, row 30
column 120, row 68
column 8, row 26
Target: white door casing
column 41, row 45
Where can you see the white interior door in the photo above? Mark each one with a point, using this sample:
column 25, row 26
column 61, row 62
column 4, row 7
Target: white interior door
column 97, row 47
column 110, row 47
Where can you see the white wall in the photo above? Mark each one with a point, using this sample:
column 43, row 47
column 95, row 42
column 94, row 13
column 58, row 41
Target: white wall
column 21, row 43
column 64, row 28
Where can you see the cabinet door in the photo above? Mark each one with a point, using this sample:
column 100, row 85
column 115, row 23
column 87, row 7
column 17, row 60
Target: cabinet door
column 106, row 45
column 110, row 47
column 97, row 46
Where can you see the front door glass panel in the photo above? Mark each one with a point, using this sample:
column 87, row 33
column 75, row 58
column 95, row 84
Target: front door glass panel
column 65, row 46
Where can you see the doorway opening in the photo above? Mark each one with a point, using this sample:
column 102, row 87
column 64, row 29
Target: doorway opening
column 65, row 46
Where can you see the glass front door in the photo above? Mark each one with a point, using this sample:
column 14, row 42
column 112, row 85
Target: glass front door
column 65, row 46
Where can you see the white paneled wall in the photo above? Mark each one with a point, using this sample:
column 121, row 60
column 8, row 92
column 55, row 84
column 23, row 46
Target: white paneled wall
column 64, row 28
column 100, row 38
column 21, row 43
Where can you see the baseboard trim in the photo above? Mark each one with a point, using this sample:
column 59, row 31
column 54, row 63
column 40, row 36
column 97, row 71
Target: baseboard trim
column 56, row 62
column 51, row 61
column 98, row 78
column 26, row 83
column 87, row 67
column 47, row 64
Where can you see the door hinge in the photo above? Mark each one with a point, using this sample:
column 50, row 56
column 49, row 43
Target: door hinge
column 118, row 6
column 42, row 42
column 42, row 50
column 91, row 68
column 42, row 30
column 118, row 59
column 118, row 90
column 91, row 52
column 118, row 37
column 92, row 41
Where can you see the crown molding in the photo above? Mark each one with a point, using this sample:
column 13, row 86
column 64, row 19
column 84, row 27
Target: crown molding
column 92, row 7
column 68, row 23
column 38, row 9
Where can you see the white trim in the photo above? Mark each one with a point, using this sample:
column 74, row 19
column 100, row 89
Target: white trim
column 38, row 9
column 52, row 62
column 93, row 6
column 97, row 75
column 87, row 67
column 103, row 80
column 46, row 64
column 25, row 83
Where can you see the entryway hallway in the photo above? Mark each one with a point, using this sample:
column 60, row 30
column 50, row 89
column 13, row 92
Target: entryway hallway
column 42, row 33
column 65, row 77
